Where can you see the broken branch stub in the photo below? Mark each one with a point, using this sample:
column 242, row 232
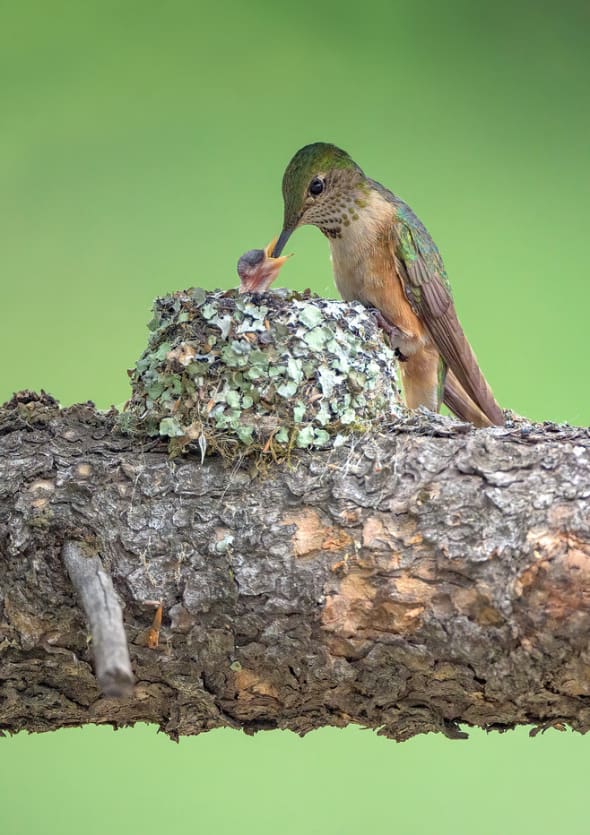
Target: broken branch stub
column 105, row 619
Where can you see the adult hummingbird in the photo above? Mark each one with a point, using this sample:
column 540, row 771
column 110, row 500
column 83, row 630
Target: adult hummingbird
column 383, row 256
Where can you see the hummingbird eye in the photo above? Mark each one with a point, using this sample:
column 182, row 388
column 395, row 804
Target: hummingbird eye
column 316, row 186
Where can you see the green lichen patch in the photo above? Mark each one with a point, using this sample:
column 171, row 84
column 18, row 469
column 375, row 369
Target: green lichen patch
column 235, row 373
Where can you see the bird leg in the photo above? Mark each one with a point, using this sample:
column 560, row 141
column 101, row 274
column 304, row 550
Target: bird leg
column 394, row 333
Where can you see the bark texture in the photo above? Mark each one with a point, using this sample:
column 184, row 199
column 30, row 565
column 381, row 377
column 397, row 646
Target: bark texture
column 412, row 581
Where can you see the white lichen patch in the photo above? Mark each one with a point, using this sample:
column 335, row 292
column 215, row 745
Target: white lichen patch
column 225, row 372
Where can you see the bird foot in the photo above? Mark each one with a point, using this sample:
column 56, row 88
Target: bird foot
column 394, row 333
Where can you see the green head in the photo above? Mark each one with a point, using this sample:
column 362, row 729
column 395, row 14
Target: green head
column 319, row 187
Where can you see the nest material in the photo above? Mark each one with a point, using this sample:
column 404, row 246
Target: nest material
column 234, row 373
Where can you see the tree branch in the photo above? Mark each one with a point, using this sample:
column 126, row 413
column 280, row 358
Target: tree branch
column 103, row 613
column 411, row 581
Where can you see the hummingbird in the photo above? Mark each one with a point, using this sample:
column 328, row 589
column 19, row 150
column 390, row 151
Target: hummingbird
column 258, row 269
column 383, row 256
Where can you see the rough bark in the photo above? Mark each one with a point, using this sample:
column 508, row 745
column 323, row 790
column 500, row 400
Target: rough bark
column 412, row 581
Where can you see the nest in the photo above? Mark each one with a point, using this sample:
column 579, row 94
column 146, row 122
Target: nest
column 234, row 373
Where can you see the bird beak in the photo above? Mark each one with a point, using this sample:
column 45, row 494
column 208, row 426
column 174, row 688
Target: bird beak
column 280, row 244
column 262, row 275
column 270, row 252
column 269, row 249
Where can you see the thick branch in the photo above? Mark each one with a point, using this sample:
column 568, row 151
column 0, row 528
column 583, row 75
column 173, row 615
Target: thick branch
column 429, row 576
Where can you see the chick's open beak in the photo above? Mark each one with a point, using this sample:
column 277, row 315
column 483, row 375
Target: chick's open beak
column 258, row 273
column 269, row 251
column 280, row 244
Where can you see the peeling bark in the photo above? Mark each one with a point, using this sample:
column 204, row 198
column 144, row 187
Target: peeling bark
column 426, row 577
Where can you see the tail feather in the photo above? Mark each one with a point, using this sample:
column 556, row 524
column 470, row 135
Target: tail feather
column 475, row 387
column 462, row 405
column 450, row 340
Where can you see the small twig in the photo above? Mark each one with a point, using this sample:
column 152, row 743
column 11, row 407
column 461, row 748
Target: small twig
column 153, row 639
column 105, row 618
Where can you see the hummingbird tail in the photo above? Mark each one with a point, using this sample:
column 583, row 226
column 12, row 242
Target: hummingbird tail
column 462, row 405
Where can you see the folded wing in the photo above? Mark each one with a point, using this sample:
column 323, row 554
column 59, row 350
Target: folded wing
column 427, row 288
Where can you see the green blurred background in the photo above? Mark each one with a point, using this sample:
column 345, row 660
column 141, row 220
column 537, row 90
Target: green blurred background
column 141, row 150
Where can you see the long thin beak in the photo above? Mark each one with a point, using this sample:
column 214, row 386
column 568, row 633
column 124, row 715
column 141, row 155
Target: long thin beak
column 280, row 244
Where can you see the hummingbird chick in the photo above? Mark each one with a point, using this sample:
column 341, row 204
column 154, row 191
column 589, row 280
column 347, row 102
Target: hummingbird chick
column 383, row 256
column 258, row 269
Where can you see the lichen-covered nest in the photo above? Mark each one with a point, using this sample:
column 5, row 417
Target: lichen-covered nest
column 235, row 373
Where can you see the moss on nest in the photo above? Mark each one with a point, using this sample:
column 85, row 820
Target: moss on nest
column 236, row 373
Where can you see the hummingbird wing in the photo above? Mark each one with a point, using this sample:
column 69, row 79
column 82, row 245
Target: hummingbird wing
column 428, row 290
